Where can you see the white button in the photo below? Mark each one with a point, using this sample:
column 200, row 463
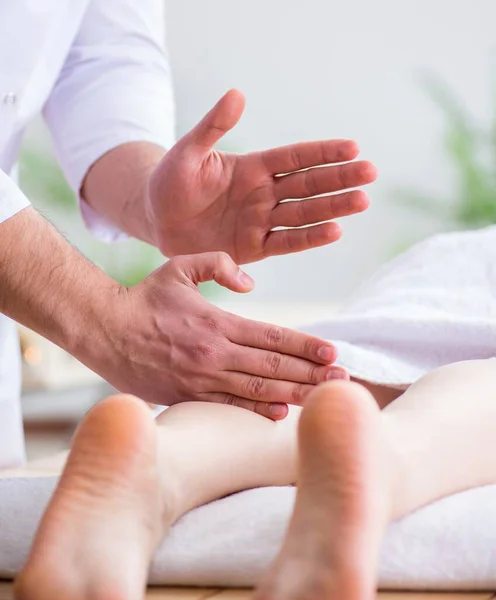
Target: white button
column 10, row 99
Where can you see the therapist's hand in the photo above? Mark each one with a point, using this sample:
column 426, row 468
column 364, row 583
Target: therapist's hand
column 201, row 200
column 160, row 340
column 179, row 347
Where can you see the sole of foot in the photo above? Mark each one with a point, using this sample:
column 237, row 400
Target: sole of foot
column 99, row 532
column 333, row 542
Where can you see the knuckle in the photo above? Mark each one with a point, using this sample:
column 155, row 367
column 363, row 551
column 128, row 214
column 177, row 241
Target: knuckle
column 262, row 408
column 311, row 182
column 309, row 347
column 205, row 351
column 309, row 236
column 314, row 374
column 213, row 324
column 273, row 336
column 330, row 208
column 347, row 176
column 223, row 260
column 290, row 241
column 230, row 400
column 298, row 393
column 179, row 267
column 295, row 158
column 301, row 212
column 273, row 364
column 326, row 154
column 256, row 387
column 350, row 200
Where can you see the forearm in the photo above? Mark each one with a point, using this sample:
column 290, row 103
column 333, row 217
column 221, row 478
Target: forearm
column 116, row 186
column 51, row 288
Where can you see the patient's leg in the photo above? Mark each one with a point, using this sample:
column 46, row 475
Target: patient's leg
column 360, row 468
column 213, row 450
column 128, row 478
column 205, row 451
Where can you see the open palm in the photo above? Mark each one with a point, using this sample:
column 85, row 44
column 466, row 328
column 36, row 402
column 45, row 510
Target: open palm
column 202, row 200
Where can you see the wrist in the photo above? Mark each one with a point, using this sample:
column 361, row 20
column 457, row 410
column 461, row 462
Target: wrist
column 48, row 286
column 117, row 187
column 92, row 333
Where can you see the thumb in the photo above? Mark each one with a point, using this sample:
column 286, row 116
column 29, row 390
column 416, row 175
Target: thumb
column 216, row 266
column 221, row 119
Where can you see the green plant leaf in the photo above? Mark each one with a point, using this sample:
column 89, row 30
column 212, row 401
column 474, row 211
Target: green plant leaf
column 471, row 152
column 41, row 178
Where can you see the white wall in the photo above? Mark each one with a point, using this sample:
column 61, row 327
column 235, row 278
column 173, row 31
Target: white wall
column 327, row 68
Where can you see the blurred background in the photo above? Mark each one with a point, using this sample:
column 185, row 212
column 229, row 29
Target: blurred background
column 414, row 82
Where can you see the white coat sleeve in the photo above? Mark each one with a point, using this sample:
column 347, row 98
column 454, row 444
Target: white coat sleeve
column 115, row 87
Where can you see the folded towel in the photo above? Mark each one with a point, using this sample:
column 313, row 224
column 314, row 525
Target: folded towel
column 433, row 305
column 449, row 545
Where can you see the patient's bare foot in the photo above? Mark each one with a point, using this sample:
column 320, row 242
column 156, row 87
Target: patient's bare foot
column 98, row 534
column 342, row 507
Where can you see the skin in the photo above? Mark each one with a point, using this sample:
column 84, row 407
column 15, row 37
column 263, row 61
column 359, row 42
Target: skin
column 159, row 335
column 198, row 199
column 128, row 478
column 193, row 200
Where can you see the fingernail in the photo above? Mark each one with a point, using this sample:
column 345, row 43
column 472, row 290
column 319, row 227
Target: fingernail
column 245, row 279
column 327, row 353
column 337, row 374
column 277, row 411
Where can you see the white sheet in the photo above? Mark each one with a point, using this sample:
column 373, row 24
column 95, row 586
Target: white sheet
column 450, row 545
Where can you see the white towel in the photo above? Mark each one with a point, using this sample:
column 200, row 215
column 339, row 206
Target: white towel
column 432, row 306
column 450, row 545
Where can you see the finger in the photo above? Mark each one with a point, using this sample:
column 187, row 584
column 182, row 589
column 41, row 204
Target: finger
column 216, row 266
column 308, row 154
column 288, row 241
column 216, row 123
column 271, row 410
column 262, row 389
column 275, row 365
column 313, row 182
column 279, row 339
column 296, row 213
